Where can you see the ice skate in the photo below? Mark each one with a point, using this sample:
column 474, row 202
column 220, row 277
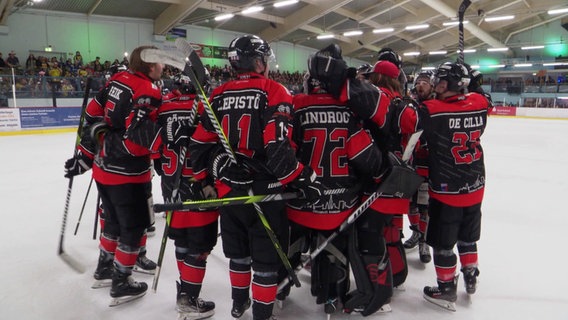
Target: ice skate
column 470, row 278
column 103, row 273
column 125, row 288
column 145, row 265
column 282, row 295
column 192, row 308
column 444, row 295
column 412, row 242
column 330, row 307
column 239, row 308
column 151, row 231
column 424, row 252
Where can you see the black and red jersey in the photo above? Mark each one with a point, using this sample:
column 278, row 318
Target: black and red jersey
column 124, row 156
column 331, row 140
column 174, row 108
column 254, row 113
column 453, row 128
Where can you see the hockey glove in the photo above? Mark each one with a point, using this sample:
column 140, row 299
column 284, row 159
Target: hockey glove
column 202, row 190
column 402, row 180
column 230, row 173
column 177, row 128
column 308, row 184
column 77, row 165
column 97, row 131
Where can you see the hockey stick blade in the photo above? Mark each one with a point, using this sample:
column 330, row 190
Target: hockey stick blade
column 412, row 141
column 194, row 60
column 171, row 58
column 70, row 261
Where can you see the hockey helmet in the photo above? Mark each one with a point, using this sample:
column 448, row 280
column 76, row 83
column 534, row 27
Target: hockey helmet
column 425, row 75
column 388, row 54
column 184, row 85
column 327, row 66
column 245, row 49
column 455, row 74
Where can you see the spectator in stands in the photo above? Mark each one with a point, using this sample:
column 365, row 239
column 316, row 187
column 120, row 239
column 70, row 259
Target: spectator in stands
column 55, row 73
column 97, row 66
column 31, row 63
column 2, row 62
column 78, row 59
column 13, row 61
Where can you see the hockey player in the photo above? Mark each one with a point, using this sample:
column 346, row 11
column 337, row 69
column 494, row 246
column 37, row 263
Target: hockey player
column 194, row 232
column 253, row 113
column 386, row 122
column 399, row 122
column 418, row 213
column 127, row 137
column 453, row 124
column 331, row 141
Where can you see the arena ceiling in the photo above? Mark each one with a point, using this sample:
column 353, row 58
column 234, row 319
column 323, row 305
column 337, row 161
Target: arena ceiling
column 302, row 22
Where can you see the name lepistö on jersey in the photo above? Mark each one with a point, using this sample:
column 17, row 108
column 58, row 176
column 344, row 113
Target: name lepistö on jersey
column 241, row 102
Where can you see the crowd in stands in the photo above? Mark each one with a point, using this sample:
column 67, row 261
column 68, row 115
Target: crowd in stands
column 43, row 76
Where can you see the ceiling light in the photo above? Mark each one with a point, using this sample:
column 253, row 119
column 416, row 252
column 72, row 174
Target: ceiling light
column 416, row 27
column 453, row 23
column 284, row 3
column 496, row 66
column 383, row 30
column 555, row 64
column 557, row 11
column 225, row 16
column 252, row 9
column 353, row 33
column 523, row 65
column 438, row 52
column 497, row 49
column 429, row 68
column 411, row 53
column 475, row 66
column 532, row 47
column 467, row 51
column 325, row 36
column 499, row 18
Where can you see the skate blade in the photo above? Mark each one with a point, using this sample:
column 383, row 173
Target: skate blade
column 101, row 284
column 144, row 271
column 401, row 288
column 451, row 306
column 195, row 315
column 411, row 249
column 279, row 304
column 121, row 300
column 386, row 308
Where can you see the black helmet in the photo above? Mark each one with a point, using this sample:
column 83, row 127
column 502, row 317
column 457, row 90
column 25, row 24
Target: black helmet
column 184, row 85
column 327, row 66
column 244, row 50
column 476, row 80
column 455, row 74
column 391, row 56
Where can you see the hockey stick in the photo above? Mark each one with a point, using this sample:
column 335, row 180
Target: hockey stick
column 461, row 12
column 96, row 224
column 83, row 206
column 413, row 140
column 193, row 62
column 74, row 264
column 212, row 203
column 173, row 59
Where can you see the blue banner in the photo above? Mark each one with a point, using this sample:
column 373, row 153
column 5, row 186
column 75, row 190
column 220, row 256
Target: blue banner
column 49, row 117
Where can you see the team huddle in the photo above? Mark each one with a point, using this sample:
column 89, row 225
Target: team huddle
column 358, row 149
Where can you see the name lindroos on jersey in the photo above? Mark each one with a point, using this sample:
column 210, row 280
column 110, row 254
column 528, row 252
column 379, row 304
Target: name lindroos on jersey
column 325, row 117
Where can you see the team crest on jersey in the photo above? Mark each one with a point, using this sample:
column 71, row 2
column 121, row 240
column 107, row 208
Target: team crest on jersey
column 144, row 101
column 284, row 109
